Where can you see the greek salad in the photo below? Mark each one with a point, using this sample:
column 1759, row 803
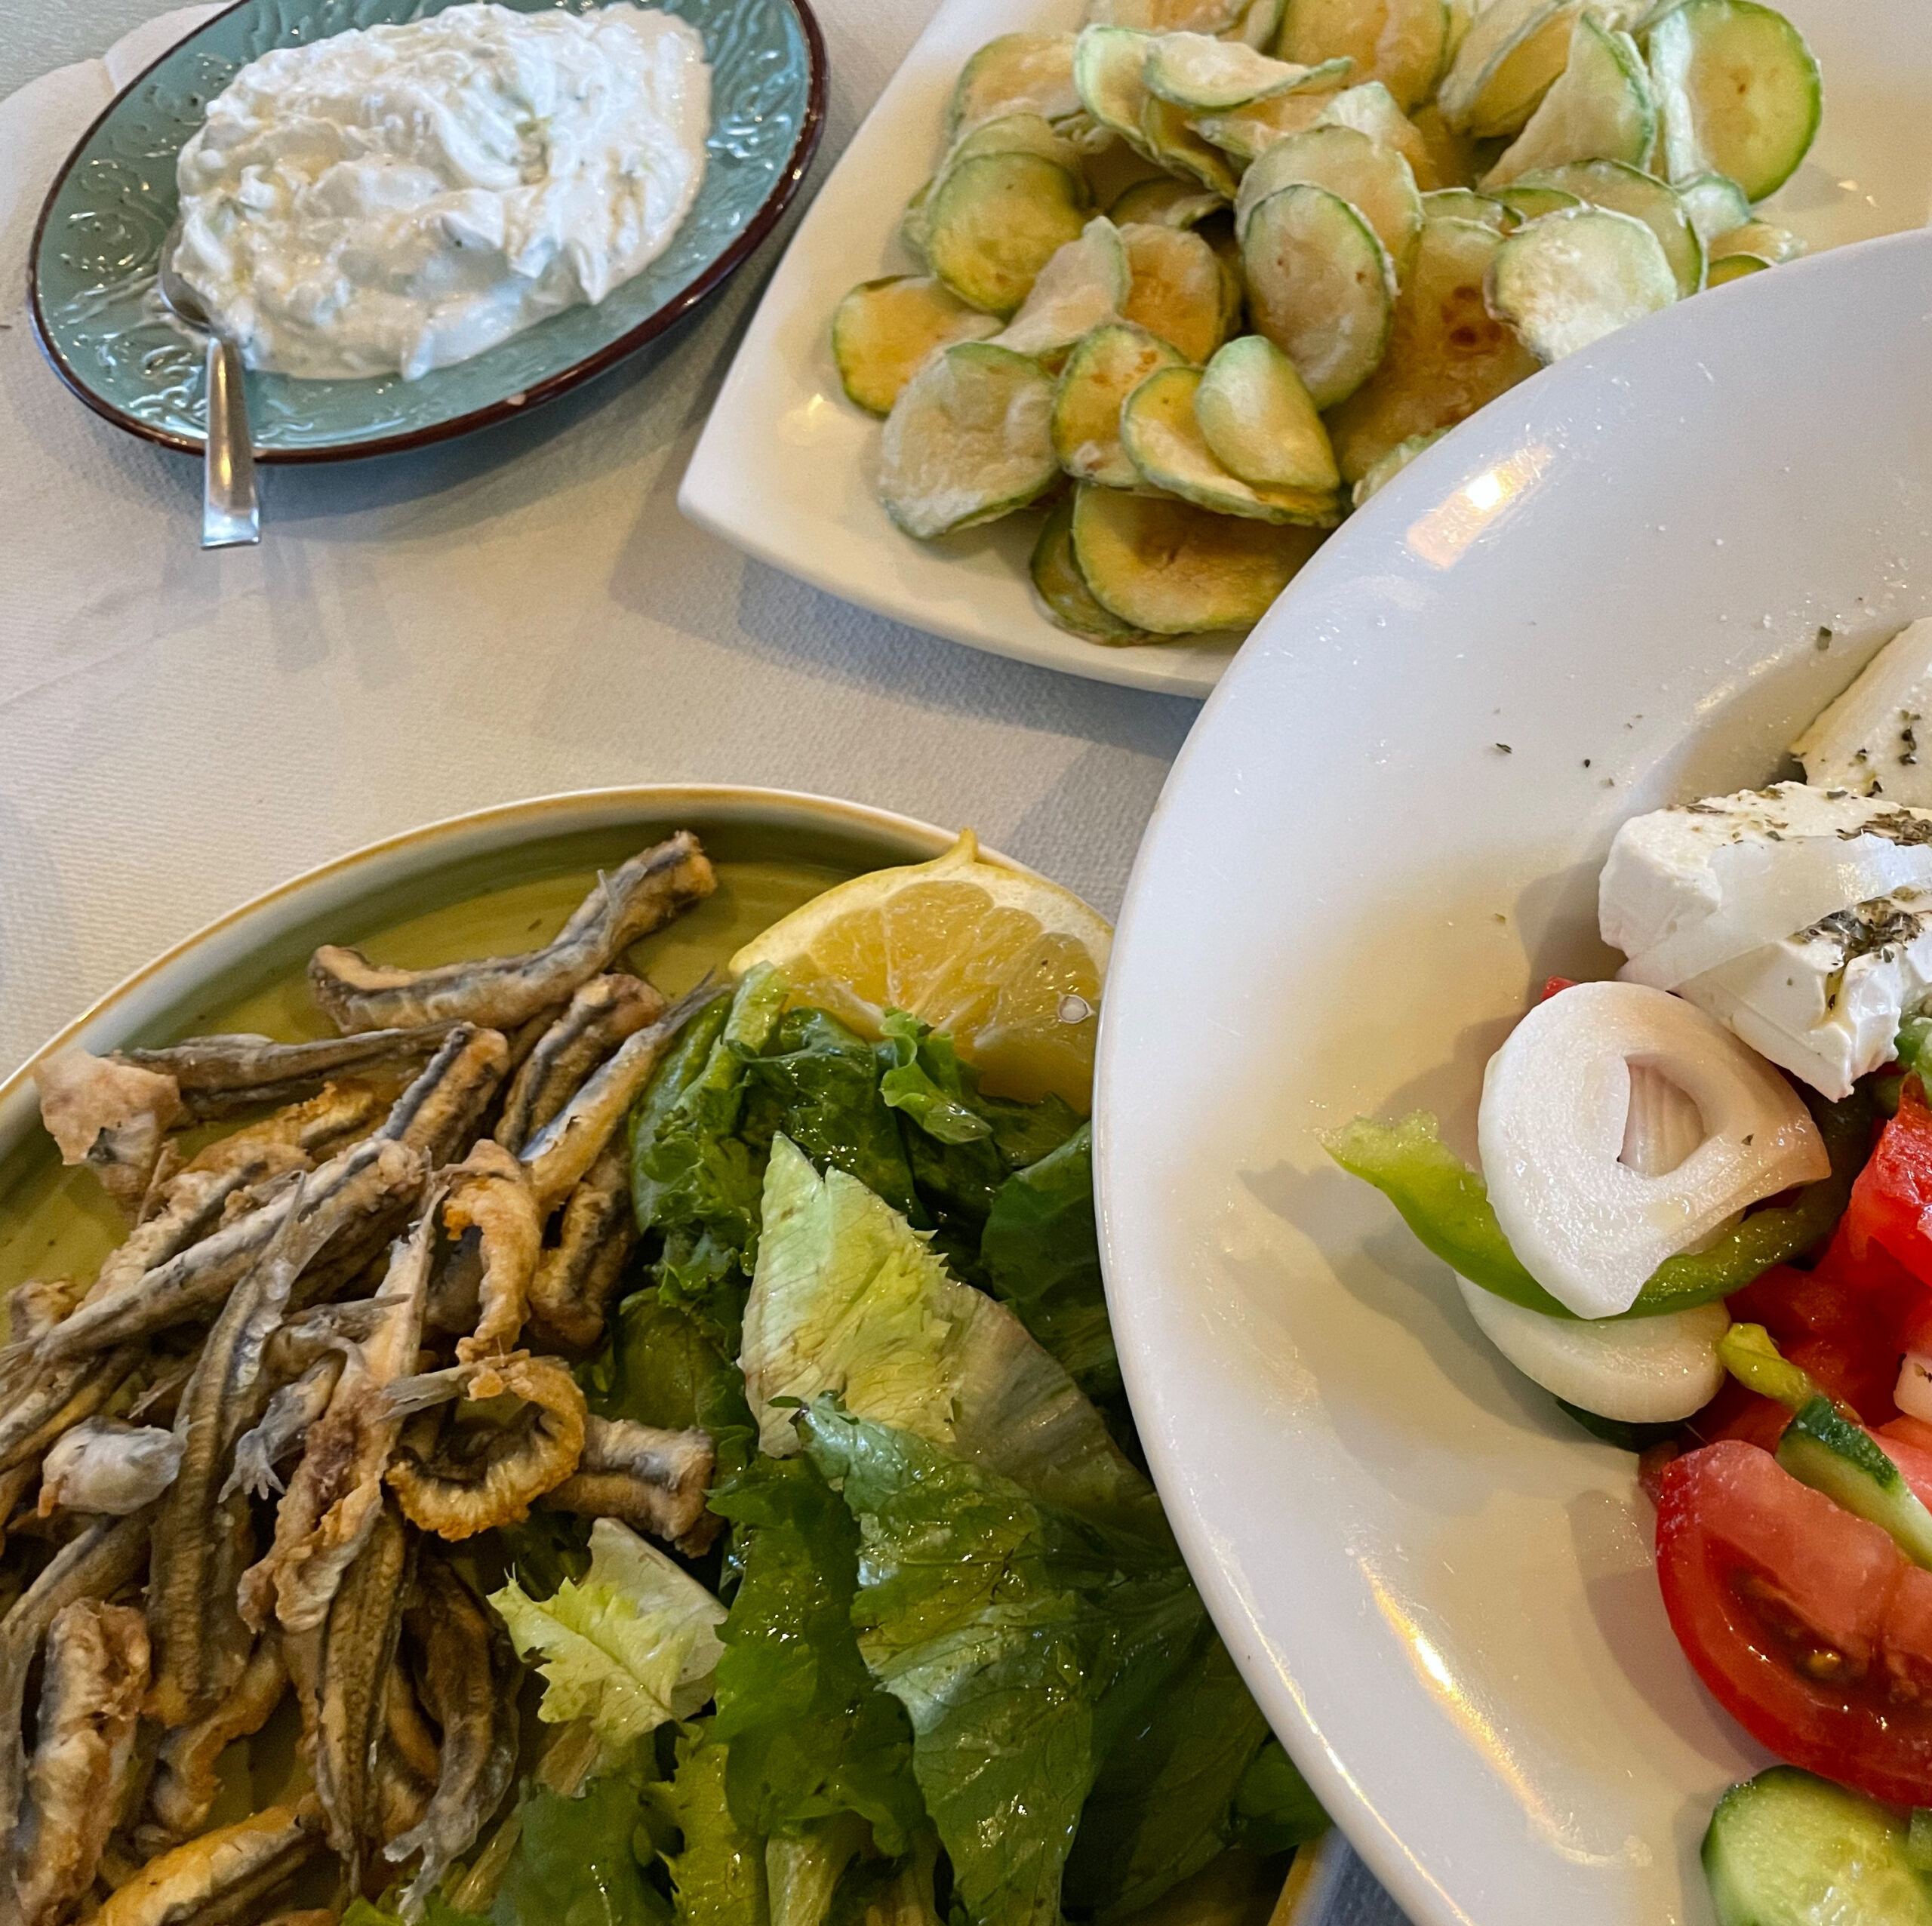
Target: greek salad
column 1702, row 1220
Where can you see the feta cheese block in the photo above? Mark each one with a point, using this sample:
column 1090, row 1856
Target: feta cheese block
column 1825, row 1005
column 1867, row 742
column 1688, row 888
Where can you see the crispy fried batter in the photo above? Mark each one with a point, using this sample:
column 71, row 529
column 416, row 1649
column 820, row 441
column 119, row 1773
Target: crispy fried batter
column 186, row 1778
column 111, row 1117
column 576, row 1280
column 650, row 889
column 220, row 1877
column 654, row 1481
column 90, row 1705
column 602, row 1013
column 490, row 1191
column 219, row 1076
column 466, row 1478
column 107, row 1465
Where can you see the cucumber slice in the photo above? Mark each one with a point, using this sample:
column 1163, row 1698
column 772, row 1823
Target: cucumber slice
column 1321, row 286
column 1628, row 190
column 1733, row 267
column 1017, row 73
column 1163, row 439
column 1197, row 71
column 1099, row 374
column 1404, row 44
column 1079, row 288
column 1164, row 201
column 1511, row 45
column 916, row 223
column 1715, row 204
column 1465, row 203
column 1249, row 132
column 1166, row 16
column 994, row 221
column 1259, row 422
column 1173, row 569
column 1376, row 181
column 1769, row 244
column 1845, row 1462
column 1570, row 278
column 1258, row 26
column 1786, row 1849
column 883, row 330
column 967, row 441
column 1450, row 159
column 1532, row 203
column 1370, row 108
column 1599, row 108
column 1738, row 92
column 1447, row 354
column 1019, row 133
column 1107, row 63
column 1177, row 291
column 1167, row 138
column 1383, row 472
column 1062, row 590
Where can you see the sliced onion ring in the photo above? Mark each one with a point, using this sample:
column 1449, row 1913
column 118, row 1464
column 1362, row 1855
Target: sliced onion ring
column 1555, row 1104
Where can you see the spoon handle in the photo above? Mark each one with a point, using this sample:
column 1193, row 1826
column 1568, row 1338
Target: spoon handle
column 230, row 514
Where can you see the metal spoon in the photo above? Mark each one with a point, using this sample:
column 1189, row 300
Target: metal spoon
column 231, row 513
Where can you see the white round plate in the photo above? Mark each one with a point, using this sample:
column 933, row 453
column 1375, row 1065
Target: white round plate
column 1612, row 589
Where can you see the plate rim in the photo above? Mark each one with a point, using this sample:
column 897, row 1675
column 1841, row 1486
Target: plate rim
column 770, row 211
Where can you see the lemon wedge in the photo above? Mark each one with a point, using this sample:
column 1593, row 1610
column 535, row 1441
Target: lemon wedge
column 1009, row 965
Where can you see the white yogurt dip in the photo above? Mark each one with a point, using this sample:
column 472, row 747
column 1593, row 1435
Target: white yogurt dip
column 396, row 198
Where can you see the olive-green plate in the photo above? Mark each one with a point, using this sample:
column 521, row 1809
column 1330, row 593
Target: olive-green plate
column 495, row 883
column 92, row 267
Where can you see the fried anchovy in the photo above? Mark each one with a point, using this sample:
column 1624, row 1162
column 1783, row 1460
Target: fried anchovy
column 13, row 1486
column 644, row 894
column 357, row 1648
column 95, row 1565
column 575, row 1280
column 58, row 1397
column 566, row 1147
column 33, row 1309
column 187, row 1778
column 654, row 1481
column 336, row 1495
column 468, row 1680
column 406, row 1732
column 440, row 1111
column 601, row 1015
column 222, row 1877
column 489, row 1193
column 90, row 1705
column 107, row 1466
column 217, row 1075
column 201, row 1539
column 466, row 1478
column 111, row 1117
column 284, row 1424
column 355, row 1184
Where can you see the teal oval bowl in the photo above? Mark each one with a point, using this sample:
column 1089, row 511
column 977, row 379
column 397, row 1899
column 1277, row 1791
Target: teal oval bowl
column 91, row 270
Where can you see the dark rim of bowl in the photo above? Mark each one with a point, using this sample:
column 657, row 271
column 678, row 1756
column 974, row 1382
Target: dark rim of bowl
column 771, row 210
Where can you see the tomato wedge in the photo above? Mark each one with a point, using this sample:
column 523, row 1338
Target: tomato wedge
column 1891, row 1202
column 1810, row 1626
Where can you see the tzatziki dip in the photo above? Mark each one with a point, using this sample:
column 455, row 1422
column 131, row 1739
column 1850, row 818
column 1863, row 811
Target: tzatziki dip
column 396, row 198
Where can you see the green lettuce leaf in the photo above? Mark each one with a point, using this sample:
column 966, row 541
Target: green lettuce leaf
column 660, row 1368
column 1169, row 1797
column 848, row 1298
column 387, row 1911
column 1023, row 1640
column 811, row 1735
column 1447, row 1205
column 632, row 1645
column 924, row 1077
column 717, row 1867
column 575, row 1864
column 820, row 1088
column 1041, row 1254
column 802, row 1872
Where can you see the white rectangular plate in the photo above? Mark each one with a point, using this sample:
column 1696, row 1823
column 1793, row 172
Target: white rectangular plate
column 785, row 468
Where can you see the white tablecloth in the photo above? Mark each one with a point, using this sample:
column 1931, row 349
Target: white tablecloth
column 519, row 612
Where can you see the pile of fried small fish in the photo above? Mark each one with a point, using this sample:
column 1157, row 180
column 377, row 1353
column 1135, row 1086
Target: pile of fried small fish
column 335, row 1341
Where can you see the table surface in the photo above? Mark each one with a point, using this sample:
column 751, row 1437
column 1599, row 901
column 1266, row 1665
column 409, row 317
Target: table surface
column 520, row 612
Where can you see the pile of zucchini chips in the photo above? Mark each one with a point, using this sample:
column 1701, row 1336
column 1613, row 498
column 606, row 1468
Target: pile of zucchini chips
column 1333, row 229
